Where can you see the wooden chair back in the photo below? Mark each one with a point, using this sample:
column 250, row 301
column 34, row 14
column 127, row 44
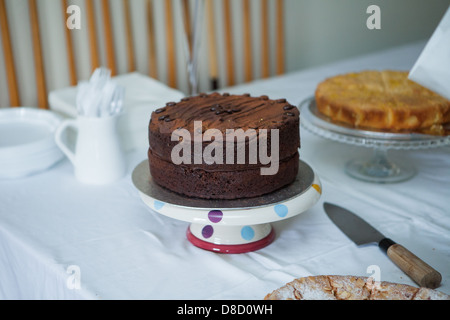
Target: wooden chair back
column 234, row 33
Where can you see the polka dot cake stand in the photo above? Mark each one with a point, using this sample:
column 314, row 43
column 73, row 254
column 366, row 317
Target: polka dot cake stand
column 231, row 226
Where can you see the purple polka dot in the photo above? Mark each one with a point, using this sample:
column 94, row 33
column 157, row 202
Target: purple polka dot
column 215, row 216
column 207, row 231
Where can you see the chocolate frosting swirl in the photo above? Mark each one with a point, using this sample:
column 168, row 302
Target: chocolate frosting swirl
column 222, row 112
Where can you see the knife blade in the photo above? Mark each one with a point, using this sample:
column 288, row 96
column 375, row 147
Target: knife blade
column 362, row 233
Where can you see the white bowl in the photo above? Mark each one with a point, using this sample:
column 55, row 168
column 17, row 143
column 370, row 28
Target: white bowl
column 27, row 141
column 31, row 165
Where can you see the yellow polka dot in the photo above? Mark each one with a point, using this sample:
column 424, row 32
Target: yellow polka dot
column 317, row 187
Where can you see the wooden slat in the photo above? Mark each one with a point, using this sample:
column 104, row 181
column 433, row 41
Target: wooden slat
column 170, row 45
column 248, row 70
column 280, row 47
column 38, row 59
column 93, row 45
column 228, row 42
column 213, row 67
column 152, row 65
column 187, row 23
column 69, row 45
column 109, row 38
column 129, row 36
column 265, row 62
column 13, row 91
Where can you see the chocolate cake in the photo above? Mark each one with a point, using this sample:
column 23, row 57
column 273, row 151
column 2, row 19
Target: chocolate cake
column 222, row 146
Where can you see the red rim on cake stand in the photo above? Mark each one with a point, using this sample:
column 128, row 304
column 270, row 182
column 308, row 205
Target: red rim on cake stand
column 231, row 226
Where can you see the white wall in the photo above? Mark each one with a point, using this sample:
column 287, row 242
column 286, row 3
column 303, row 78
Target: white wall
column 317, row 32
column 320, row 31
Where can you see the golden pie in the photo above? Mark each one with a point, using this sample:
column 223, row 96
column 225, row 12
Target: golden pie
column 335, row 287
column 382, row 100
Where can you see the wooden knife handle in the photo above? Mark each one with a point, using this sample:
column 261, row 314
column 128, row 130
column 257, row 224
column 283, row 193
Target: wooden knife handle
column 417, row 269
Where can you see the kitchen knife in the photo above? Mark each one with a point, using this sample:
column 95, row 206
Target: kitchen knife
column 360, row 232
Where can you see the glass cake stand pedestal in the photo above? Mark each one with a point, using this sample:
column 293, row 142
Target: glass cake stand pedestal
column 380, row 168
column 231, row 226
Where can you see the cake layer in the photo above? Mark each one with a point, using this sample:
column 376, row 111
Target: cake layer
column 222, row 113
column 385, row 100
column 233, row 184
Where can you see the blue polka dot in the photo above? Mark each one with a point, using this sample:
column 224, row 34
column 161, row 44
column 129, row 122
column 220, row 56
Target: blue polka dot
column 247, row 233
column 158, row 204
column 281, row 210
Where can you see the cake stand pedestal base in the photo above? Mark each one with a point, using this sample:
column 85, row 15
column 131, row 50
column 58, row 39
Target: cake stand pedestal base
column 230, row 239
column 380, row 168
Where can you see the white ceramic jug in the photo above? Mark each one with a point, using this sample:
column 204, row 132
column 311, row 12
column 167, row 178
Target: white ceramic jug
column 98, row 156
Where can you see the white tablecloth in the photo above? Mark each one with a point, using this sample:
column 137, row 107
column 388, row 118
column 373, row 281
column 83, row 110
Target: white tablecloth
column 54, row 229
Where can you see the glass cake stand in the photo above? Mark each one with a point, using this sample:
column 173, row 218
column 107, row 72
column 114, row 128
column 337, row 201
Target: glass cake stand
column 230, row 226
column 380, row 168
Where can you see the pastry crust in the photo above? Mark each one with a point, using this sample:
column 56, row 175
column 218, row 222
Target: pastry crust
column 336, row 287
column 382, row 100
